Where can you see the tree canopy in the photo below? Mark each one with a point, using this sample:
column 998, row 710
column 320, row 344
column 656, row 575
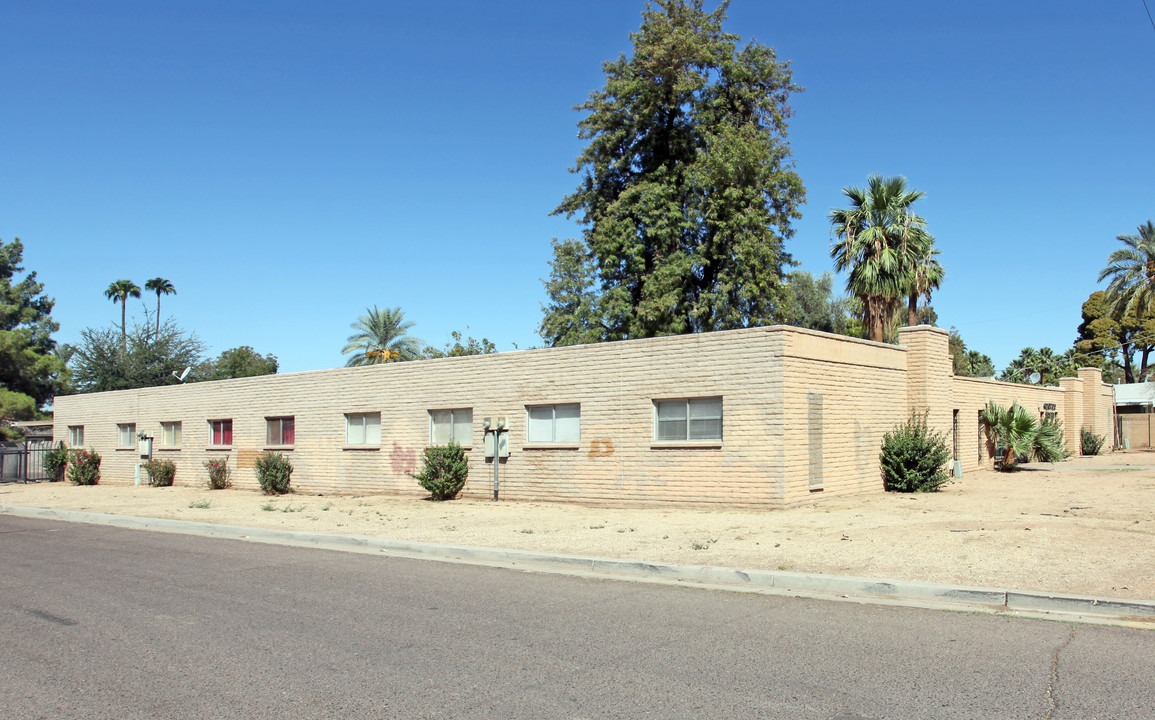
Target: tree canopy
column 461, row 346
column 687, row 188
column 1109, row 332
column 966, row 362
column 381, row 336
column 236, row 362
column 143, row 358
column 29, row 363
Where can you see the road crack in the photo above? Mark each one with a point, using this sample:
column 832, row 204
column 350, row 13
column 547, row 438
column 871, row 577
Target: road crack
column 1054, row 682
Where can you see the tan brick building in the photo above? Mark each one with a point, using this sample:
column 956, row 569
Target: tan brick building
column 762, row 417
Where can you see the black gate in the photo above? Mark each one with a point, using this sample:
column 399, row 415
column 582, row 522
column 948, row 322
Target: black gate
column 23, row 460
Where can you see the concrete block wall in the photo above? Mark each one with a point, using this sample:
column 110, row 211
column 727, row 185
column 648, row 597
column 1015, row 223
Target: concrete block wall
column 970, row 396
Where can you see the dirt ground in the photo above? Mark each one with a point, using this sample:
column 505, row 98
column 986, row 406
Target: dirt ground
column 1084, row 526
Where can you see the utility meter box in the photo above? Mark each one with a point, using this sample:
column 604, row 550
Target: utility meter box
column 502, row 444
column 144, row 445
column 495, row 424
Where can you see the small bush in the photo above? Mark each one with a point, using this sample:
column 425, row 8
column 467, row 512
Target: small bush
column 55, row 460
column 83, row 467
column 1049, row 444
column 273, row 473
column 914, row 457
column 160, row 472
column 220, row 476
column 1089, row 442
column 444, row 471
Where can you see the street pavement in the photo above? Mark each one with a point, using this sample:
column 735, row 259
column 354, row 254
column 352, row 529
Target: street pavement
column 105, row 622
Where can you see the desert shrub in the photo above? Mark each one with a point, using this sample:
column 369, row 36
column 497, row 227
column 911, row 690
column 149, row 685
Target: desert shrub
column 55, row 461
column 1049, row 445
column 444, row 471
column 83, row 467
column 220, row 476
column 914, row 457
column 273, row 473
column 1089, row 442
column 160, row 472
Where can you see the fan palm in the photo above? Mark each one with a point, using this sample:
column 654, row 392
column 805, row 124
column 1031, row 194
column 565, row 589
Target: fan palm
column 159, row 286
column 381, row 337
column 1132, row 273
column 1011, row 428
column 882, row 241
column 926, row 277
column 120, row 291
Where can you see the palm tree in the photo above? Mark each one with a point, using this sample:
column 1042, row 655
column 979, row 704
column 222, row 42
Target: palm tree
column 120, row 291
column 381, row 337
column 1132, row 272
column 159, row 286
column 882, row 241
column 926, row 277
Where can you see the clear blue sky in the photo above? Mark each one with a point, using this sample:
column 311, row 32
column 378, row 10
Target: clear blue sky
column 287, row 164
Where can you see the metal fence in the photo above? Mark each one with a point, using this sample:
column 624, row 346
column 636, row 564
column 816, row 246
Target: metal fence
column 23, row 460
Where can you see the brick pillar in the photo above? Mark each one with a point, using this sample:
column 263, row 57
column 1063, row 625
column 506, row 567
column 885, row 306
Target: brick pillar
column 1092, row 414
column 1072, row 416
column 928, row 374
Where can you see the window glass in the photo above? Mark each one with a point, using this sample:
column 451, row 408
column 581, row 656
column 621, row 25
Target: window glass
column 539, row 424
column 220, row 432
column 690, row 419
column 363, row 429
column 567, row 423
column 280, row 431
column 672, row 420
column 451, row 425
column 705, row 418
column 170, row 434
column 126, row 435
column 553, row 424
column 75, row 435
column 463, row 426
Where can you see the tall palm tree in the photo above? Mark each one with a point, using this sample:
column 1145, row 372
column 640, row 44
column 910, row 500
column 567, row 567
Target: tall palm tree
column 120, row 291
column 882, row 241
column 926, row 277
column 1132, row 273
column 381, row 337
column 159, row 286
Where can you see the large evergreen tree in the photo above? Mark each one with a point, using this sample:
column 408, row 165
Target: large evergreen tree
column 688, row 190
column 29, row 364
column 107, row 360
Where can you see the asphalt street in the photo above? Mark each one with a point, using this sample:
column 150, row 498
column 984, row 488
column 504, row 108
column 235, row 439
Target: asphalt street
column 102, row 622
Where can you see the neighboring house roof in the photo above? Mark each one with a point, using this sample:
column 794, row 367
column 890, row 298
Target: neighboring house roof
column 1135, row 394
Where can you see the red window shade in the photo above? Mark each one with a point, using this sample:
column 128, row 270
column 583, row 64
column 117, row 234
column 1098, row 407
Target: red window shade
column 227, row 432
column 288, row 431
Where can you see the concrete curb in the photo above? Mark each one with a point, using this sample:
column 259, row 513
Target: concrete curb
column 930, row 595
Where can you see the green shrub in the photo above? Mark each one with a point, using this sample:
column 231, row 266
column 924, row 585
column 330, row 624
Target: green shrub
column 55, row 460
column 219, row 473
column 1089, row 442
column 914, row 457
column 1049, row 445
column 160, row 472
column 273, row 473
column 83, row 467
column 444, row 471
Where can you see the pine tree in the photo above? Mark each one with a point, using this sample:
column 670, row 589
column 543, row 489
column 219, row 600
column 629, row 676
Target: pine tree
column 29, row 364
column 687, row 190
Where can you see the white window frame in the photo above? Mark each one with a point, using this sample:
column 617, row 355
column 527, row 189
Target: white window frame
column 363, row 428
column 171, row 433
column 700, row 405
column 457, row 421
column 126, row 435
column 535, row 426
column 76, row 435
column 212, row 432
column 277, row 439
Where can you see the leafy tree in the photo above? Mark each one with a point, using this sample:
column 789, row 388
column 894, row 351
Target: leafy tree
column 147, row 358
column 14, row 406
column 381, row 337
column 237, row 362
column 968, row 363
column 120, row 291
column 29, row 362
column 471, row 346
column 1131, row 269
column 687, row 191
column 883, row 243
column 811, row 304
column 573, row 316
column 159, row 286
column 1110, row 332
column 1044, row 361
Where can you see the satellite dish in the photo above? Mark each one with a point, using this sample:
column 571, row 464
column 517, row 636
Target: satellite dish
column 1034, row 378
column 182, row 376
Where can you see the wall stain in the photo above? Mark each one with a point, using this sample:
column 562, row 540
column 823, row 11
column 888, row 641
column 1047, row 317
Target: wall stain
column 404, row 461
column 601, row 447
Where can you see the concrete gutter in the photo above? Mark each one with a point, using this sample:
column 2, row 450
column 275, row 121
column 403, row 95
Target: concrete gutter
column 1139, row 613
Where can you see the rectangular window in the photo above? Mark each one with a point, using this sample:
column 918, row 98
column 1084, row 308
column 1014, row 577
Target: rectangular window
column 170, row 434
column 280, row 431
column 363, row 428
column 447, row 426
column 126, row 435
column 220, row 432
column 76, row 435
column 553, row 424
column 689, row 419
